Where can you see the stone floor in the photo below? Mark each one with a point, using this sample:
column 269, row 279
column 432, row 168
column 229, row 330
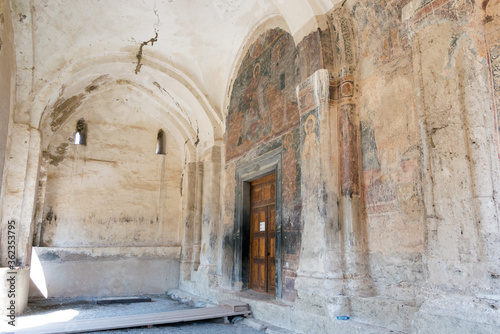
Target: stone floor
column 57, row 310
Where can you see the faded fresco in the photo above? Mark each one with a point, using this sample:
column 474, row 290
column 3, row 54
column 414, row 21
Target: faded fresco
column 289, row 170
column 292, row 211
column 388, row 134
column 263, row 102
column 310, row 158
column 492, row 30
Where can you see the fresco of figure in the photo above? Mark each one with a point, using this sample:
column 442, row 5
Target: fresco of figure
column 310, row 155
column 256, row 123
column 289, row 171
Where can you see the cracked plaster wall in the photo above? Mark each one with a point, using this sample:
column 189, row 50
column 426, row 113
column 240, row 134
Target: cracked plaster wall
column 101, row 202
column 114, row 191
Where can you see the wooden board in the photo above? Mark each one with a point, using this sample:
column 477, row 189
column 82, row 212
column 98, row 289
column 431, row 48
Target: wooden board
column 130, row 321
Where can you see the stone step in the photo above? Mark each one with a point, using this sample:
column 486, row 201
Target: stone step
column 234, row 305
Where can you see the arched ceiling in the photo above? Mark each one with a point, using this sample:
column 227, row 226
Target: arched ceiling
column 188, row 49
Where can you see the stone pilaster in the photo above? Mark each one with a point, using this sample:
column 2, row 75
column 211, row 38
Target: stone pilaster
column 352, row 222
column 211, row 215
column 320, row 271
column 188, row 194
column 18, row 204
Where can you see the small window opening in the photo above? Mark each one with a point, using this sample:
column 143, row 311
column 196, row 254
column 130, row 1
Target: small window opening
column 160, row 143
column 81, row 132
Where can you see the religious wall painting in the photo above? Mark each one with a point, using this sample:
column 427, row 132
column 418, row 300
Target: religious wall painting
column 310, row 54
column 310, row 166
column 279, row 51
column 349, row 150
column 495, row 71
column 263, row 101
column 234, row 137
column 289, row 171
column 390, row 173
column 256, row 113
column 291, row 180
column 259, row 46
column 369, row 146
column 378, row 30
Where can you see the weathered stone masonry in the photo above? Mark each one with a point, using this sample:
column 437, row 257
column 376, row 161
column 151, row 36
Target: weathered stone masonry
column 379, row 118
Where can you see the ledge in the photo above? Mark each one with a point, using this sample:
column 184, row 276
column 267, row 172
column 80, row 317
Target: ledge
column 59, row 254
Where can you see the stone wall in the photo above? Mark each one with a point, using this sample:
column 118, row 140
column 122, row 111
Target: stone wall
column 108, row 198
column 113, row 191
column 381, row 124
column 398, row 167
column 390, row 146
column 103, row 271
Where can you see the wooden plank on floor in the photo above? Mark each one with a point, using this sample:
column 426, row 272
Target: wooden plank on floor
column 137, row 320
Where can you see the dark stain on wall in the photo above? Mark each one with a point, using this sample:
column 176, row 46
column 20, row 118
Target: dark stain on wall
column 58, row 154
column 49, row 256
column 91, row 88
column 369, row 146
column 63, row 108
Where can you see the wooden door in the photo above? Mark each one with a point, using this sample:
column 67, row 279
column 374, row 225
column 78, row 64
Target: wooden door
column 263, row 235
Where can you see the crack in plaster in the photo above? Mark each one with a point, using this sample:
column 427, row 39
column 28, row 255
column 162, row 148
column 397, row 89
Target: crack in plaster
column 197, row 134
column 163, row 90
column 139, row 54
column 152, row 41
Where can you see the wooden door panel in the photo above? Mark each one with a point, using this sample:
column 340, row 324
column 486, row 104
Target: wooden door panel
column 254, row 276
column 271, row 279
column 258, row 262
column 262, row 277
column 263, row 235
column 272, row 218
column 255, row 248
column 271, row 250
column 266, row 192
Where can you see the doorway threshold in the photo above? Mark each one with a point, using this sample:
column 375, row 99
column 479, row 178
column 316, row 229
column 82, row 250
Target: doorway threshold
column 252, row 295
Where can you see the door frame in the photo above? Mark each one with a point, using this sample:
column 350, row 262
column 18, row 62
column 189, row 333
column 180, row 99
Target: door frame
column 247, row 172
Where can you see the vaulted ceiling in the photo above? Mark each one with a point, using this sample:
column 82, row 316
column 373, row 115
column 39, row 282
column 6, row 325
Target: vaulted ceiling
column 180, row 54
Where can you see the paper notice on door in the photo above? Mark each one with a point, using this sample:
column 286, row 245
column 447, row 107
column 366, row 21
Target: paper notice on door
column 262, row 226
